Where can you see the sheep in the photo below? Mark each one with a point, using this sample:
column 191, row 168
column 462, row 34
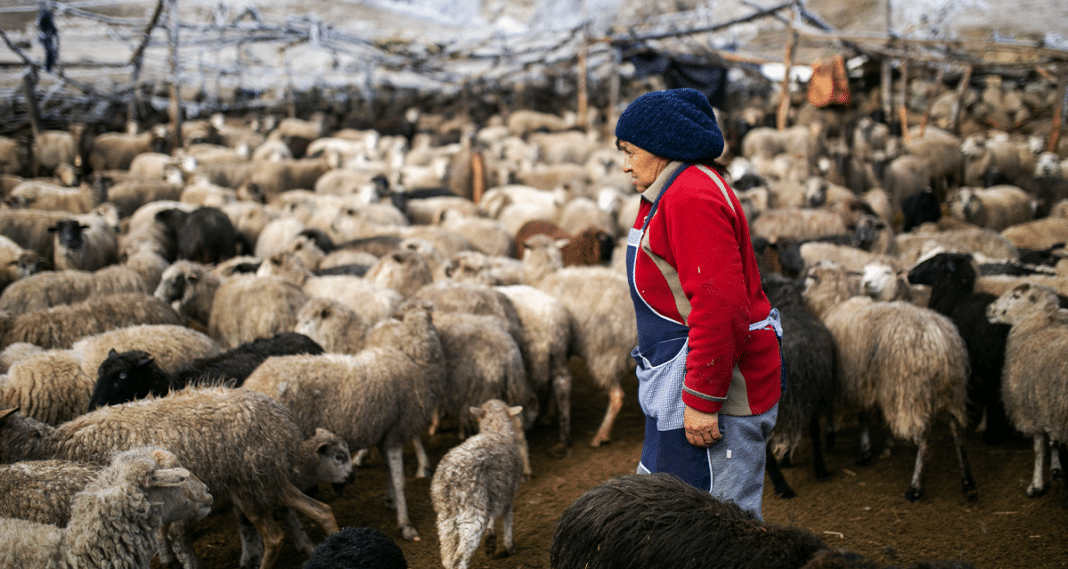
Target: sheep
column 881, row 369
column 1038, row 234
column 657, row 520
column 116, row 150
column 29, row 229
column 809, row 380
column 911, row 247
column 880, row 281
column 603, row 329
column 490, row 270
column 404, row 271
column 592, row 245
column 545, row 332
column 336, row 327
column 134, row 374
column 798, row 223
column 46, row 196
column 849, row 257
column 49, row 386
column 42, row 491
column 482, row 362
column 486, row 235
column 190, row 289
column 996, row 207
column 81, row 247
column 15, row 156
column 370, row 299
column 1032, row 384
column 384, row 395
column 204, row 235
column 920, row 207
column 16, row 262
column 952, row 278
column 131, row 194
column 476, row 483
column 113, row 521
column 17, row 352
column 252, row 470
column 248, row 307
column 145, row 228
column 357, row 548
column 61, row 326
column 171, row 346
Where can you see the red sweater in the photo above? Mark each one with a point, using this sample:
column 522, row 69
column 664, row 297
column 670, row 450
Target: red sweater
column 707, row 242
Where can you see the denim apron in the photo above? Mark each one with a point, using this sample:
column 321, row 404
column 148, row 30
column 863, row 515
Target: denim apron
column 663, row 345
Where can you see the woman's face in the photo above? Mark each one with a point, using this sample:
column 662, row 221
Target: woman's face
column 643, row 166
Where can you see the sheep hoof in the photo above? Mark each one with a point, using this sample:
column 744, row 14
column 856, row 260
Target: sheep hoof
column 560, row 450
column 864, row 459
column 490, row 544
column 598, row 441
column 914, row 494
column 409, row 533
column 787, row 493
column 1057, row 475
column 1035, row 491
column 822, row 475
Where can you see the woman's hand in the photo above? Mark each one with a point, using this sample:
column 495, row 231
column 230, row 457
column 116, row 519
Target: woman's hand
column 702, row 429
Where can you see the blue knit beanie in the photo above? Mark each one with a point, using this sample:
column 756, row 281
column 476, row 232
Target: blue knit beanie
column 677, row 124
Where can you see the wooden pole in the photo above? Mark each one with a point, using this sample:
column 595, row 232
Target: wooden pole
column 613, row 94
column 29, row 88
column 784, row 96
column 962, row 88
column 1058, row 110
column 886, row 90
column 583, row 95
column 175, row 106
column 136, row 61
column 904, row 96
column 939, row 79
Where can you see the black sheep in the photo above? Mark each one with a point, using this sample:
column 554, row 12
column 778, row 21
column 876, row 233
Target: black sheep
column 357, row 548
column 919, row 208
column 135, row 375
column 951, row 277
column 809, row 363
column 205, row 235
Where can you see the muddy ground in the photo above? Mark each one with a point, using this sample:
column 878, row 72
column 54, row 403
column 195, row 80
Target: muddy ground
column 859, row 508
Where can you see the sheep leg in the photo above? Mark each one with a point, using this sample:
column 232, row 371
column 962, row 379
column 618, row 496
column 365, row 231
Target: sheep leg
column 395, row 457
column 1038, row 485
column 817, row 450
column 301, row 541
column 615, row 403
column 562, row 394
column 175, row 546
column 469, row 529
column 828, row 429
column 358, row 456
column 272, row 536
column 966, row 480
column 778, row 480
column 915, row 490
column 509, row 519
column 865, row 456
column 251, row 543
column 1055, row 472
column 314, row 509
column 422, row 469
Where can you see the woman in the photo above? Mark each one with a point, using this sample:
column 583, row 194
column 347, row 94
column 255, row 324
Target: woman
column 709, row 366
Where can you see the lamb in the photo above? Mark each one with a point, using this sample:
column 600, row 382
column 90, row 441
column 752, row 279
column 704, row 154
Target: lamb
column 657, row 520
column 82, row 247
column 404, row 271
column 486, row 235
column 204, row 235
column 116, row 150
column 1033, row 385
column 996, row 207
column 881, row 369
column 189, row 288
column 134, row 374
column 253, row 471
column 491, row 270
column 113, row 521
column 603, row 329
column 42, row 491
column 360, row 397
column 809, row 380
column 61, row 326
column 952, row 278
column 476, row 483
column 29, row 229
column 590, row 246
column 16, row 262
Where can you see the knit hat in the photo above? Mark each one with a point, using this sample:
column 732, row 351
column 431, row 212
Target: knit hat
column 677, row 124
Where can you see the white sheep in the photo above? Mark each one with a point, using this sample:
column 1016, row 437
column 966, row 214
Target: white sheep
column 113, row 521
column 905, row 361
column 84, row 244
column 1032, row 383
column 170, row 345
column 248, row 307
column 382, row 396
column 476, row 483
column 50, row 387
column 218, row 433
column 996, row 207
column 603, row 329
column 334, row 326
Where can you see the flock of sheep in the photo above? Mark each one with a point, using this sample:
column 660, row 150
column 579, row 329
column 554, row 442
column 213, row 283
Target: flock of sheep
column 248, row 313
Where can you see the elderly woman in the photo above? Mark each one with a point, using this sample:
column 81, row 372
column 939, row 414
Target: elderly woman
column 709, row 366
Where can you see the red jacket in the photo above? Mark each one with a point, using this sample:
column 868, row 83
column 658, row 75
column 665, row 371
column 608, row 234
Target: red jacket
column 706, row 239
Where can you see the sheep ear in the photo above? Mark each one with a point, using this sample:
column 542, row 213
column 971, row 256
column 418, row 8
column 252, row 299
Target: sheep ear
column 112, row 353
column 513, row 411
column 169, row 477
column 8, row 412
column 145, row 360
column 476, row 412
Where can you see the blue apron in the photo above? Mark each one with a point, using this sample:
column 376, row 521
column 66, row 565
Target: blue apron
column 663, row 345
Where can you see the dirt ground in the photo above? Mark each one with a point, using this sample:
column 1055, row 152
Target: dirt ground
column 862, row 509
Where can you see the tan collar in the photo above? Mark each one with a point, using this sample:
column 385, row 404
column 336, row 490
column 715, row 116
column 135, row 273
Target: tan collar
column 657, row 186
